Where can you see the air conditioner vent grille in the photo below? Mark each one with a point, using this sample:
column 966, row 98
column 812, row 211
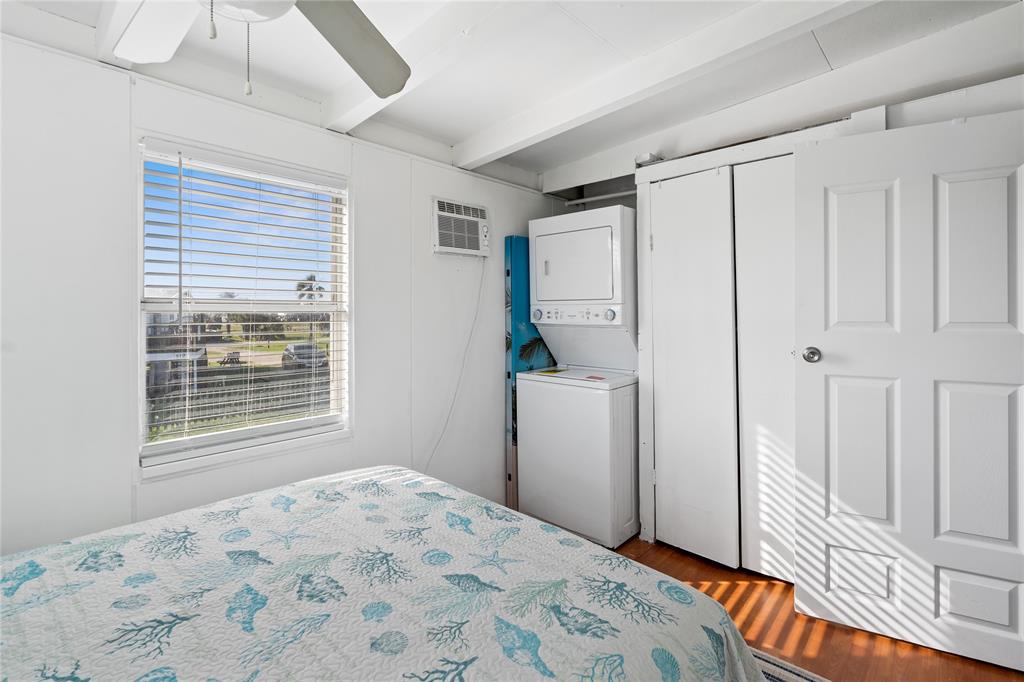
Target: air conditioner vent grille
column 458, row 233
column 460, row 228
column 461, row 209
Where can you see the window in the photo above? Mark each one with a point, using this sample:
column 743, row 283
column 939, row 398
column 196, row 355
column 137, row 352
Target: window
column 244, row 306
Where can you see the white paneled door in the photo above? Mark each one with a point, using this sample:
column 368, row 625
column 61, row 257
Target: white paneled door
column 909, row 396
column 694, row 348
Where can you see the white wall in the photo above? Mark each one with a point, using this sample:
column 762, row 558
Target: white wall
column 414, row 143
column 444, row 289
column 65, row 318
column 69, row 304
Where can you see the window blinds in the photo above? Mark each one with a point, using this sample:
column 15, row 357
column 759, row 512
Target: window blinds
column 245, row 304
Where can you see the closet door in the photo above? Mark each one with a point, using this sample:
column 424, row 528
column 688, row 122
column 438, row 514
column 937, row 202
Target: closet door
column 696, row 464
column 910, row 405
column 763, row 197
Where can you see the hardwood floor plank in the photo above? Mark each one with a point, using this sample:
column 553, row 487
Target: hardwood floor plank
column 762, row 608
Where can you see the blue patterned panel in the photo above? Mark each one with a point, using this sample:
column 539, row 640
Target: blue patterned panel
column 525, row 350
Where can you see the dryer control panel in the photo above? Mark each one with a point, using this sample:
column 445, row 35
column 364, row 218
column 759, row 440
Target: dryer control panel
column 581, row 314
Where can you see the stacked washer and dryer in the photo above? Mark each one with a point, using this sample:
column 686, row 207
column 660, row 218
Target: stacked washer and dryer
column 577, row 422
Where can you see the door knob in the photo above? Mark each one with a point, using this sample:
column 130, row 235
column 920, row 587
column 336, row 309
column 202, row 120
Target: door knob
column 811, row 354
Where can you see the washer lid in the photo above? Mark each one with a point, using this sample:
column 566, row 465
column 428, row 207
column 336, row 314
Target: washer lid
column 580, row 376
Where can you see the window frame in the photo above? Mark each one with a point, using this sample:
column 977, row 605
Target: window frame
column 235, row 443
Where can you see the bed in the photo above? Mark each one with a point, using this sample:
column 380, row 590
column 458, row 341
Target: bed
column 374, row 574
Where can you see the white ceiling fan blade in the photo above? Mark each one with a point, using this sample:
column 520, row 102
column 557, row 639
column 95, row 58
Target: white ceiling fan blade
column 359, row 43
column 155, row 31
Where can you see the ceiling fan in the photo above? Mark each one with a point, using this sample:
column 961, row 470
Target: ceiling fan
column 157, row 27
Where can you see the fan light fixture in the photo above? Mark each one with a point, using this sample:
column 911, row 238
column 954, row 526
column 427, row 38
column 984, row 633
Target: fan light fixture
column 249, row 12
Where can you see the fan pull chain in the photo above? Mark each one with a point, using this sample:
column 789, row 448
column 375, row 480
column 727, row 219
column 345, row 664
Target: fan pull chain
column 213, row 26
column 248, row 60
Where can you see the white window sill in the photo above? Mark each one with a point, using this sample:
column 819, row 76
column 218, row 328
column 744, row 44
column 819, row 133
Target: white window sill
column 228, row 454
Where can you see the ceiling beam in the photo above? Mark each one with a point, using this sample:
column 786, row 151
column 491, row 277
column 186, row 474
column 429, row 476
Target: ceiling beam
column 739, row 35
column 437, row 43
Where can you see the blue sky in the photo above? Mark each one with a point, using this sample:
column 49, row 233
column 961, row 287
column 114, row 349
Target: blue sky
column 289, row 239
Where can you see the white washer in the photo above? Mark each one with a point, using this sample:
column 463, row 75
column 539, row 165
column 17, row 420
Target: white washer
column 578, row 450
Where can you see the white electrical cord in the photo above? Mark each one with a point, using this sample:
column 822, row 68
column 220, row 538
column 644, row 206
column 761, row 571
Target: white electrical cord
column 462, row 369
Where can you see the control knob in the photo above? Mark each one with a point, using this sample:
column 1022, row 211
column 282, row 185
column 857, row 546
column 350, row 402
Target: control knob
column 537, row 314
column 609, row 314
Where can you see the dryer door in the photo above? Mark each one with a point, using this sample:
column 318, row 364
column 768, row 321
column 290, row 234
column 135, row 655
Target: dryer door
column 575, row 266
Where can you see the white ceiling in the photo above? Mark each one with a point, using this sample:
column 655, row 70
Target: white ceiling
column 872, row 30
column 82, row 12
column 527, row 51
column 534, row 84
column 640, row 27
column 789, row 62
column 530, row 51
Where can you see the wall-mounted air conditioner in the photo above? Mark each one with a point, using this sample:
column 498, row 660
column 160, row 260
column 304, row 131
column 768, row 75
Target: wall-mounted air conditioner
column 460, row 228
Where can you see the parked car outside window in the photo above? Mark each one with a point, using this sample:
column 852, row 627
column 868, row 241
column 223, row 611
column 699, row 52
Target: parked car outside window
column 303, row 356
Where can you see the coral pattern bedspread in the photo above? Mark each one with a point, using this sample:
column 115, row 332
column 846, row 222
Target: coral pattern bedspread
column 375, row 574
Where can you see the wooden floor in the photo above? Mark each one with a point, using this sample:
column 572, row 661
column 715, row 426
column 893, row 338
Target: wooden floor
column 763, row 610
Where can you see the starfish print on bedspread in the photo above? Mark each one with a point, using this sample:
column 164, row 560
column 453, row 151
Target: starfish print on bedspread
column 286, row 538
column 495, row 561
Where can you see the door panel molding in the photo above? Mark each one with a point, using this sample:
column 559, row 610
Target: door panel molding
column 978, row 429
column 863, row 447
column 862, row 230
column 976, row 224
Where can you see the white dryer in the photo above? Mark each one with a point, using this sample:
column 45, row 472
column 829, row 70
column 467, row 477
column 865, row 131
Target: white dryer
column 578, row 451
column 583, row 286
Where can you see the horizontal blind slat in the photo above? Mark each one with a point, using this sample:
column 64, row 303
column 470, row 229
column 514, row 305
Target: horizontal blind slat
column 264, row 195
column 332, row 271
column 243, row 255
column 158, row 208
column 280, row 185
column 280, row 252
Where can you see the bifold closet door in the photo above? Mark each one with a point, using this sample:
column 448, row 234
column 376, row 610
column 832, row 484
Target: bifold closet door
column 910, row 393
column 763, row 197
column 694, row 366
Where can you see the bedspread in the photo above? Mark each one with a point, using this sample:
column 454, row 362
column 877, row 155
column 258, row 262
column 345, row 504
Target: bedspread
column 373, row 574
